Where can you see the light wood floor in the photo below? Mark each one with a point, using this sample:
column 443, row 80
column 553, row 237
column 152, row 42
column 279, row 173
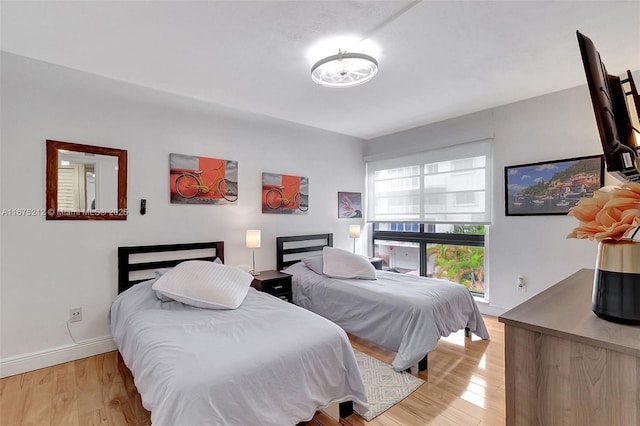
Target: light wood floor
column 464, row 385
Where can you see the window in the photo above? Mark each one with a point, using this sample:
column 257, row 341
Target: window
column 454, row 252
column 429, row 212
column 448, row 185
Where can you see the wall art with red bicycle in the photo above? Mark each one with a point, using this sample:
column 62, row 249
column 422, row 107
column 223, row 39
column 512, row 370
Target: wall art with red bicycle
column 202, row 180
column 284, row 194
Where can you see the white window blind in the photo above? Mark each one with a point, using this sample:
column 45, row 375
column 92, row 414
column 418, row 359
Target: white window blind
column 446, row 185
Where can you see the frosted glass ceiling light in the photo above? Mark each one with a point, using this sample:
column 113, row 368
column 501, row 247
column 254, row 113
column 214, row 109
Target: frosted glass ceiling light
column 344, row 69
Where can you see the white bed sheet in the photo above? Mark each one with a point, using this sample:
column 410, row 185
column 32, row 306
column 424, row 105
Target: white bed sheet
column 268, row 362
column 404, row 313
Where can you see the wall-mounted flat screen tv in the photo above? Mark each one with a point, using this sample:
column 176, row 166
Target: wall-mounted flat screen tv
column 617, row 109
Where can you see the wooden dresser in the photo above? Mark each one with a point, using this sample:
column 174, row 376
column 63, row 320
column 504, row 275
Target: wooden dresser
column 565, row 366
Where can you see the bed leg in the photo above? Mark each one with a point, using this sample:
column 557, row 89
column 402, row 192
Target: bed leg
column 346, row 409
column 424, row 363
column 467, row 332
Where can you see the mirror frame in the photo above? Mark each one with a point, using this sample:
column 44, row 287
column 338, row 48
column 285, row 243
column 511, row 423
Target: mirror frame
column 53, row 148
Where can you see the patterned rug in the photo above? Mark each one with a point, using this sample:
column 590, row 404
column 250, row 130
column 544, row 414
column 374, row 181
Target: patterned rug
column 384, row 386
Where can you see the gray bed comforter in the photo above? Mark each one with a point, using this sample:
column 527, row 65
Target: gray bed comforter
column 266, row 363
column 400, row 312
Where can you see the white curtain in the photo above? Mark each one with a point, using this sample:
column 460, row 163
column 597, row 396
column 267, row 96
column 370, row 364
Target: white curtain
column 446, row 185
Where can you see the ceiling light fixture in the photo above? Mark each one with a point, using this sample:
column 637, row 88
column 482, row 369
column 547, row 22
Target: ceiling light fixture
column 344, row 69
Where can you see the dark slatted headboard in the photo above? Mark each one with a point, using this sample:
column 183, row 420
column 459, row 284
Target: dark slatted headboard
column 167, row 256
column 291, row 249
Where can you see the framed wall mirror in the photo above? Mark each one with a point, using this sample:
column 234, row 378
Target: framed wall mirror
column 86, row 182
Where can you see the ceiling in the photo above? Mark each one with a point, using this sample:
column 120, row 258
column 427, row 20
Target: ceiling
column 438, row 59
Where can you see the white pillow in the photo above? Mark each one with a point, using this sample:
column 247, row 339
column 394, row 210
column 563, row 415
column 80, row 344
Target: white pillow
column 339, row 263
column 205, row 284
column 314, row 263
column 160, row 272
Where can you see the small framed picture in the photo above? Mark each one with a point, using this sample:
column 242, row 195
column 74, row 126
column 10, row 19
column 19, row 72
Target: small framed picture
column 551, row 187
column 349, row 205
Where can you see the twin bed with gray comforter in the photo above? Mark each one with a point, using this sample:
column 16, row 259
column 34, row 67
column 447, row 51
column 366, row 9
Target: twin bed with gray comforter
column 404, row 313
column 268, row 362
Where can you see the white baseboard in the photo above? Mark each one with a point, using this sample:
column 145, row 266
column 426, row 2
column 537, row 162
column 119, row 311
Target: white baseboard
column 487, row 308
column 33, row 361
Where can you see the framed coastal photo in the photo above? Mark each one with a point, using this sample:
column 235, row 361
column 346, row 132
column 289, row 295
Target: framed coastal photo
column 551, row 187
column 349, row 205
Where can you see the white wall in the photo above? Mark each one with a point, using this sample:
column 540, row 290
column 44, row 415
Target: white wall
column 551, row 127
column 48, row 267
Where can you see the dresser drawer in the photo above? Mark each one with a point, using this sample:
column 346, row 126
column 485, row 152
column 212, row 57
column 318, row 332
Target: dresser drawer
column 277, row 287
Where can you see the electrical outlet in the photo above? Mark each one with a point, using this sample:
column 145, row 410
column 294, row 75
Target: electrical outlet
column 522, row 286
column 75, row 314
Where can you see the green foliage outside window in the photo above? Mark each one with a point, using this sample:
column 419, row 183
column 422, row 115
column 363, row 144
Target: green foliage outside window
column 460, row 264
column 453, row 261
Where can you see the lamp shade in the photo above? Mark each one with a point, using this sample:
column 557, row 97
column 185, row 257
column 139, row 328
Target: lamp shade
column 354, row 231
column 253, row 238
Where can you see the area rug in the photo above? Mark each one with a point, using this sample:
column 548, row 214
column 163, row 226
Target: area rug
column 385, row 387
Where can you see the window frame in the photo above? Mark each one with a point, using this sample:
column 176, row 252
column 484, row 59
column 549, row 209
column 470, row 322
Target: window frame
column 424, row 237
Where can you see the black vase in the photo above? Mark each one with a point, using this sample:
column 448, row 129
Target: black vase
column 616, row 282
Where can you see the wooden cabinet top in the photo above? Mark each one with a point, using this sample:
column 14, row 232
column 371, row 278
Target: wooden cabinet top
column 564, row 311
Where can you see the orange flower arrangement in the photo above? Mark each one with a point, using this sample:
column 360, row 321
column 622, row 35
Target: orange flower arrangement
column 609, row 214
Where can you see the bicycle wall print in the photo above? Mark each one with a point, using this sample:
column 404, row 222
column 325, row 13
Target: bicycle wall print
column 284, row 194
column 201, row 180
column 551, row 187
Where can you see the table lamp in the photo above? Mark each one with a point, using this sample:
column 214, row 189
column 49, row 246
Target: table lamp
column 253, row 242
column 354, row 232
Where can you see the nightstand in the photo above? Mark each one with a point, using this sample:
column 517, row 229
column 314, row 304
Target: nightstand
column 376, row 262
column 275, row 283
